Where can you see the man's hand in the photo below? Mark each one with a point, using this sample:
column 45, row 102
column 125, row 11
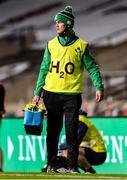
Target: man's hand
column 99, row 95
column 36, row 99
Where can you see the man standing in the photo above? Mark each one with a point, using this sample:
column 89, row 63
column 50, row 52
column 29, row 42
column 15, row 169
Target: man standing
column 2, row 112
column 61, row 80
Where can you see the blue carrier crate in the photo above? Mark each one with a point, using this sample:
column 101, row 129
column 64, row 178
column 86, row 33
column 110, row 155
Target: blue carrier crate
column 33, row 120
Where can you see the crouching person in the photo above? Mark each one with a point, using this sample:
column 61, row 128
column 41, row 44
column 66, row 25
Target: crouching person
column 92, row 150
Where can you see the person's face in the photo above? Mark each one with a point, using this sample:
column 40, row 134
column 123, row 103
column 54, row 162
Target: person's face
column 60, row 27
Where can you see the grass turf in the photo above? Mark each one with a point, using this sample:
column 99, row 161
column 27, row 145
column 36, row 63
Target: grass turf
column 59, row 176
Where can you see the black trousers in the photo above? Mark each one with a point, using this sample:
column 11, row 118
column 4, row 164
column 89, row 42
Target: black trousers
column 59, row 105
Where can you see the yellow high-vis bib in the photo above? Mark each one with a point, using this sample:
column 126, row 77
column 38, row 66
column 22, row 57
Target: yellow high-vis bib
column 66, row 68
column 93, row 138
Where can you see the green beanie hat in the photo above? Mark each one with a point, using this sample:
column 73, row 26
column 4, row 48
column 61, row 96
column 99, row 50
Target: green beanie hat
column 66, row 16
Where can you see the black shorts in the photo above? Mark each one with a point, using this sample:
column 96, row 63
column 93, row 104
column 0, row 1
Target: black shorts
column 95, row 158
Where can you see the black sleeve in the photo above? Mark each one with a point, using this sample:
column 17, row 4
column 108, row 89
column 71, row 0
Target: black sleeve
column 82, row 129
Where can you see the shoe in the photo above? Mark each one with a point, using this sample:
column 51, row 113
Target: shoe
column 51, row 169
column 91, row 170
column 73, row 170
column 62, row 170
column 44, row 169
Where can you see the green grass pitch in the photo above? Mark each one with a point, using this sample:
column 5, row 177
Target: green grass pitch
column 53, row 176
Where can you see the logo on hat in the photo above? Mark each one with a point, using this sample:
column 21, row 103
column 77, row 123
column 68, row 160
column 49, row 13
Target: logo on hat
column 69, row 22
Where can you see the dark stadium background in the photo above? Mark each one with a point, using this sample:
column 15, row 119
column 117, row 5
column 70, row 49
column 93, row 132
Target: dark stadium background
column 26, row 26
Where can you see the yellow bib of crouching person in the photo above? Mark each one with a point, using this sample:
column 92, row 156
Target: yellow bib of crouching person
column 66, row 69
column 93, row 138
